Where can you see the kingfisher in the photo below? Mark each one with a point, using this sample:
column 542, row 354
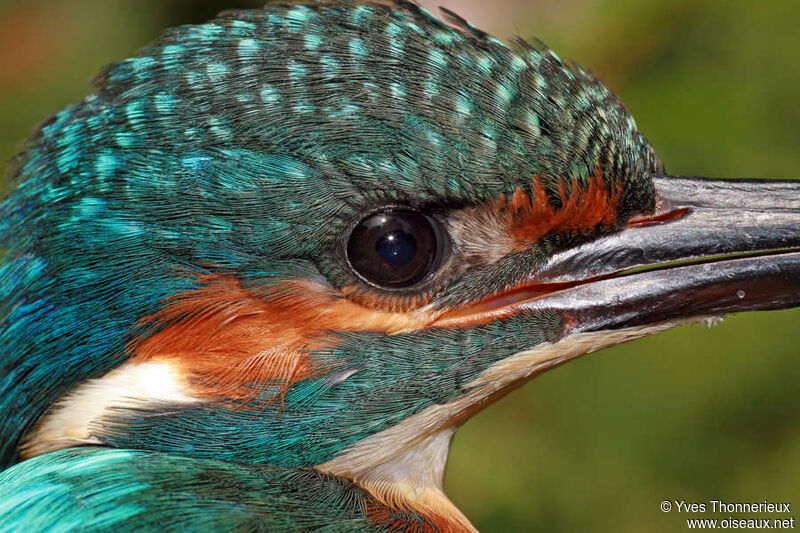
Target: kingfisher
column 257, row 279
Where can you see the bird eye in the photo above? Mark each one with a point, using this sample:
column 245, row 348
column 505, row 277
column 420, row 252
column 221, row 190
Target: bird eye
column 396, row 248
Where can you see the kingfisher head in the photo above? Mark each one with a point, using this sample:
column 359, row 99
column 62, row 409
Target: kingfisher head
column 325, row 235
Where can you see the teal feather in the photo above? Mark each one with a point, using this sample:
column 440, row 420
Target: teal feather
column 96, row 489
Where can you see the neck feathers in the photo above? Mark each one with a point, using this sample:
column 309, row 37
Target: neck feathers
column 404, row 479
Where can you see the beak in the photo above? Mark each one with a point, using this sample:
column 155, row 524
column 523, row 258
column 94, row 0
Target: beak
column 713, row 246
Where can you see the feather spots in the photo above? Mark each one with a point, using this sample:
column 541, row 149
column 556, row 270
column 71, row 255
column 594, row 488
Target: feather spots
column 312, row 41
column 248, row 49
column 358, row 50
column 270, row 95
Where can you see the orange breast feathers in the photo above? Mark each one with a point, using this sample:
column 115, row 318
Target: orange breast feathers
column 234, row 343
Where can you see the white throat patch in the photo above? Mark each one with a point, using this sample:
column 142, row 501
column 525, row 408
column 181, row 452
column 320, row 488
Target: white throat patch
column 73, row 420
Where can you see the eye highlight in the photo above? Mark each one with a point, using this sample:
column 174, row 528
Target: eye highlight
column 396, row 248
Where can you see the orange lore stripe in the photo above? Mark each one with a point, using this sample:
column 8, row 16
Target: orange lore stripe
column 531, row 218
column 232, row 342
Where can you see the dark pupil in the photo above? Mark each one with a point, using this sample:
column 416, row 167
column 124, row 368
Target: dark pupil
column 396, row 248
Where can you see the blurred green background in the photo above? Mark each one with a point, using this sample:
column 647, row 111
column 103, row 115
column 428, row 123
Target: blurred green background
column 596, row 445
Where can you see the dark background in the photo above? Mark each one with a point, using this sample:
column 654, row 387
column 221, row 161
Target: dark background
column 596, row 445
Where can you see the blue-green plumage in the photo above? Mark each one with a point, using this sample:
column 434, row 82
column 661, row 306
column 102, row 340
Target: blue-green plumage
column 182, row 283
column 96, row 489
column 241, row 146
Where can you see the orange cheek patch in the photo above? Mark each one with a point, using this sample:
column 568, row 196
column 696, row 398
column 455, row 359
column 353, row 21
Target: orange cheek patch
column 529, row 218
column 236, row 343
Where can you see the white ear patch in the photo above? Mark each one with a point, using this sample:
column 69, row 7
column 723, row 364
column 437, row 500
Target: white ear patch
column 73, row 419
